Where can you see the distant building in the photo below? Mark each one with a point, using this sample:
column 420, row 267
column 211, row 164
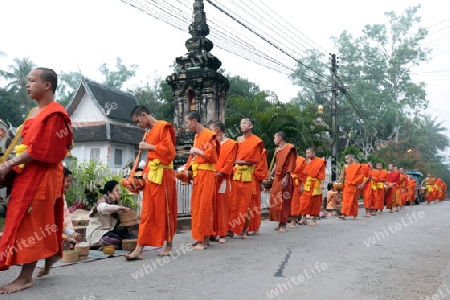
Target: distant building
column 102, row 127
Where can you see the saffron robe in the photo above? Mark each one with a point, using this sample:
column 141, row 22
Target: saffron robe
column 221, row 206
column 261, row 173
column 310, row 203
column 393, row 194
column 411, row 184
column 159, row 205
column 354, row 176
column 34, row 220
column 429, row 192
column 250, row 149
column 298, row 177
column 366, row 191
column 379, row 177
column 280, row 198
column 403, row 187
column 204, row 184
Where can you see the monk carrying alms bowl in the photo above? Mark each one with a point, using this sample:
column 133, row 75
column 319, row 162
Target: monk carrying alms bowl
column 338, row 185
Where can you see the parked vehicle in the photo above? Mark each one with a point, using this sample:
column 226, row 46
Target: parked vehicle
column 418, row 177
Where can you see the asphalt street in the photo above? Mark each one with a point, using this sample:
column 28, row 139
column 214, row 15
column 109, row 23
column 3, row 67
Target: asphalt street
column 402, row 255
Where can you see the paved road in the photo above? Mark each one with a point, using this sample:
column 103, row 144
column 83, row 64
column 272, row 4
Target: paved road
column 401, row 255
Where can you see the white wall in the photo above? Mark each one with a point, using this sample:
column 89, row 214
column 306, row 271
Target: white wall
column 82, row 151
column 87, row 111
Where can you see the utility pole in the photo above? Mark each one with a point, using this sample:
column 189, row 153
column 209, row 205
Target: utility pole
column 334, row 130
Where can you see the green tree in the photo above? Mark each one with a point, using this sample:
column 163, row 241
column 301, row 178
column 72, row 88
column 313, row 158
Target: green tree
column 67, row 86
column 17, row 75
column 117, row 78
column 157, row 97
column 10, row 112
column 377, row 67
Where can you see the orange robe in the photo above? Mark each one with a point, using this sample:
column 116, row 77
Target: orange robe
column 159, row 206
column 354, row 176
column 429, row 185
column 221, row 207
column 438, row 189
column 311, row 198
column 403, row 189
column 366, row 191
column 34, row 220
column 261, row 173
column 280, row 198
column 411, row 184
column 298, row 177
column 204, row 184
column 393, row 194
column 379, row 177
column 243, row 184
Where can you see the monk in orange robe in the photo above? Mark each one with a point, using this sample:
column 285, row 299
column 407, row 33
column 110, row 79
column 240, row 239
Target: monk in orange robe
column 34, row 220
column 403, row 187
column 429, row 188
column 379, row 175
column 202, row 159
column 298, row 177
column 158, row 222
column 282, row 187
column 393, row 190
column 250, row 149
column 311, row 189
column 261, row 173
column 224, row 169
column 411, row 183
column 438, row 188
column 366, row 188
column 354, row 176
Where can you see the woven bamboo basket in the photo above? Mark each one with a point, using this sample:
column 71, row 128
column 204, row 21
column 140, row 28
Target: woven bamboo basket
column 70, row 256
column 82, row 249
column 129, row 244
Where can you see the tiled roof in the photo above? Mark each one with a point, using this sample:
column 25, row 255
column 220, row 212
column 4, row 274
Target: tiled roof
column 108, row 132
column 113, row 103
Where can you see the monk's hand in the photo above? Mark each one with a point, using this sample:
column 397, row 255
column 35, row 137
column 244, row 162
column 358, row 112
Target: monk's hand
column 196, row 151
column 219, row 174
column 146, row 146
column 4, row 170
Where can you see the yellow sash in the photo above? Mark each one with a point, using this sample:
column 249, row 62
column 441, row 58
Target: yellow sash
column 295, row 179
column 207, row 167
column 317, row 189
column 374, row 185
column 380, row 185
column 19, row 150
column 156, row 170
column 429, row 188
column 243, row 173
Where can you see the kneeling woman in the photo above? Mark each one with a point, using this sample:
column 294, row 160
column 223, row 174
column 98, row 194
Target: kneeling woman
column 102, row 229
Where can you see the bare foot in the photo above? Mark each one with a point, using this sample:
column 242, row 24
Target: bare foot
column 354, row 218
column 292, row 226
column 303, row 221
column 244, row 235
column 313, row 223
column 16, row 285
column 277, row 227
column 222, row 240
column 256, row 232
column 366, row 215
column 200, row 247
column 166, row 251
column 282, row 229
column 342, row 217
column 230, row 234
column 195, row 244
column 48, row 265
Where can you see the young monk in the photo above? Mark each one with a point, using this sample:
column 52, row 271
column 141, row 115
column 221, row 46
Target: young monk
column 34, row 223
column 354, row 177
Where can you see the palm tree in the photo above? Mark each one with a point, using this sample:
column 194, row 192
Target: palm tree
column 428, row 134
column 18, row 78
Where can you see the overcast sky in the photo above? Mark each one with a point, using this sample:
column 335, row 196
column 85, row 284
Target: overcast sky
column 69, row 35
